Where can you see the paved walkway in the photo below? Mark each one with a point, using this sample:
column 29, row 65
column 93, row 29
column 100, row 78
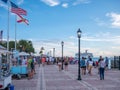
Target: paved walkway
column 49, row 78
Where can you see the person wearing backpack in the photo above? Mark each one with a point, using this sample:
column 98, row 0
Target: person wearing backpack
column 29, row 67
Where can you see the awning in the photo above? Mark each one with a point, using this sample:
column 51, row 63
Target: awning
column 23, row 54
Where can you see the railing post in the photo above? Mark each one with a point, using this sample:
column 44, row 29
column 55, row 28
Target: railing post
column 119, row 62
column 114, row 61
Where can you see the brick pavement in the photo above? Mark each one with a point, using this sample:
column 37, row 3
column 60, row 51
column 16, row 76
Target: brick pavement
column 49, row 78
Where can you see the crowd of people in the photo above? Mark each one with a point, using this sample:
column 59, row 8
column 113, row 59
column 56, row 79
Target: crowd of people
column 86, row 64
column 26, row 61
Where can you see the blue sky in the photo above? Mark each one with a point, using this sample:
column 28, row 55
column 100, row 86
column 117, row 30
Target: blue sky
column 53, row 21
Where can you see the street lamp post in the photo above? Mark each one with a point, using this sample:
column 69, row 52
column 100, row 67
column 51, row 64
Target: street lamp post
column 79, row 36
column 50, row 53
column 62, row 43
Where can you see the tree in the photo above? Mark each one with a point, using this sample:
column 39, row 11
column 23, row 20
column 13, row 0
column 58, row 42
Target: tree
column 41, row 50
column 11, row 45
column 4, row 44
column 22, row 45
column 25, row 45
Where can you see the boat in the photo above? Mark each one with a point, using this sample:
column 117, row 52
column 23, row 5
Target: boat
column 84, row 54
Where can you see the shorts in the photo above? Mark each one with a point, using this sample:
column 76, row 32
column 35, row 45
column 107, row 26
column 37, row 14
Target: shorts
column 83, row 66
column 106, row 65
column 66, row 63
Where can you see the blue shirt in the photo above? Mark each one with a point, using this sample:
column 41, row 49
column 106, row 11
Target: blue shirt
column 82, row 63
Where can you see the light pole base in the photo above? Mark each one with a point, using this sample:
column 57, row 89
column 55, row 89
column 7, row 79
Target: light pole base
column 79, row 79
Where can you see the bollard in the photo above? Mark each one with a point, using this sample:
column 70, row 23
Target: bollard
column 114, row 61
column 119, row 62
column 11, row 87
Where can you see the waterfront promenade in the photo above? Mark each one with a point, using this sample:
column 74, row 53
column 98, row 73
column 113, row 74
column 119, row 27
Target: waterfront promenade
column 49, row 78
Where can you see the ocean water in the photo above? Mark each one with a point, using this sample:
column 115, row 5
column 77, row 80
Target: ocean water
column 97, row 58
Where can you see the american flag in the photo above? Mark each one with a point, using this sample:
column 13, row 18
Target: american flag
column 15, row 9
column 5, row 1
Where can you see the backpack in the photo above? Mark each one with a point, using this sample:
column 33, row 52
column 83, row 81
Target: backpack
column 32, row 63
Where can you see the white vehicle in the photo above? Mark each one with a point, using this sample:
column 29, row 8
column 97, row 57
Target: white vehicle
column 5, row 76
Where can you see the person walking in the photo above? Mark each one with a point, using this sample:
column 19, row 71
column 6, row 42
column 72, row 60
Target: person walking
column 66, row 64
column 29, row 69
column 38, row 61
column 87, row 64
column 90, row 65
column 107, row 63
column 100, row 58
column 59, row 64
column 83, row 66
column 43, row 61
column 102, row 69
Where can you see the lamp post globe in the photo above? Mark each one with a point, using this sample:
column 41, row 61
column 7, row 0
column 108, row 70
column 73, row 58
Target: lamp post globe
column 79, row 36
column 62, row 43
column 79, row 33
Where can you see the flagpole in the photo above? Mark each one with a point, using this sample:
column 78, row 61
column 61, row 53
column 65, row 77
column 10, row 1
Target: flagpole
column 15, row 30
column 8, row 28
column 8, row 24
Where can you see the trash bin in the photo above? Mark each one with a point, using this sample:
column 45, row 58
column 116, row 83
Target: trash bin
column 11, row 87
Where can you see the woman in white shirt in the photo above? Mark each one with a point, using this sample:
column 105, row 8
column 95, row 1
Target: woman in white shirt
column 90, row 65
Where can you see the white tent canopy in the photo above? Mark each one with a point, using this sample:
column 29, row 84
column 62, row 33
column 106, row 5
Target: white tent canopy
column 4, row 51
column 23, row 54
column 2, row 48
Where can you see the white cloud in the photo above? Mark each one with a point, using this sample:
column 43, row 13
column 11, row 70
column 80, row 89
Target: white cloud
column 115, row 19
column 104, row 44
column 51, row 2
column 72, row 37
column 71, row 45
column 101, row 37
column 100, row 22
column 65, row 5
column 111, row 48
column 80, row 2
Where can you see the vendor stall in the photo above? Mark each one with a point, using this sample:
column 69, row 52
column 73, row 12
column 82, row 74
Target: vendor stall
column 5, row 76
column 20, row 68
